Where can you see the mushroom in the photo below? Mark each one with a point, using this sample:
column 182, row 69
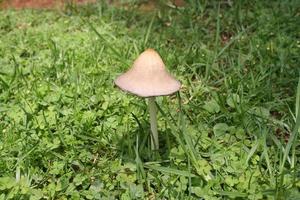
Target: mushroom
column 149, row 78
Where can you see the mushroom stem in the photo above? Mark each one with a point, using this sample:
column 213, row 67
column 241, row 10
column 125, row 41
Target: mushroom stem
column 153, row 123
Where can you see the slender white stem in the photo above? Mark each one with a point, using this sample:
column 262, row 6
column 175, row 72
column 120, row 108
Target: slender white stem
column 153, row 123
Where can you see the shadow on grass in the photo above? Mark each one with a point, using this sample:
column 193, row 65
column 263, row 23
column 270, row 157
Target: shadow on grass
column 136, row 143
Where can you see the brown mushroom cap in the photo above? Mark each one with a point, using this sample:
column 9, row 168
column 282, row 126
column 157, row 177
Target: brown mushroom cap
column 148, row 77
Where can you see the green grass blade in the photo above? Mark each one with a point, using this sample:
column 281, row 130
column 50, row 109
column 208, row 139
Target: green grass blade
column 252, row 151
column 117, row 54
column 3, row 83
column 297, row 98
column 148, row 32
column 267, row 158
column 294, row 133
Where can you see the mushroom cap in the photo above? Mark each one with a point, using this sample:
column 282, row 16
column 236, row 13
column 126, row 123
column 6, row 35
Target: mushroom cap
column 148, row 77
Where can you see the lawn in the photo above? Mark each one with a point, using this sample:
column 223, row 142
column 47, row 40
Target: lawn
column 67, row 132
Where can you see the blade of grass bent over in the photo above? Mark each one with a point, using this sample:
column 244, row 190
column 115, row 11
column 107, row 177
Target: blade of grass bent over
column 106, row 43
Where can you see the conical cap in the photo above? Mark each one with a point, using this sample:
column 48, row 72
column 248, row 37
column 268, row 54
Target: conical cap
column 148, row 77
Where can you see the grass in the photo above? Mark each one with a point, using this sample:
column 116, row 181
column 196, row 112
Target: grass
column 231, row 132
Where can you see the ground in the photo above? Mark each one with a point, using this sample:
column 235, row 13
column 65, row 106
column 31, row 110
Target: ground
column 66, row 132
column 40, row 4
column 51, row 4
